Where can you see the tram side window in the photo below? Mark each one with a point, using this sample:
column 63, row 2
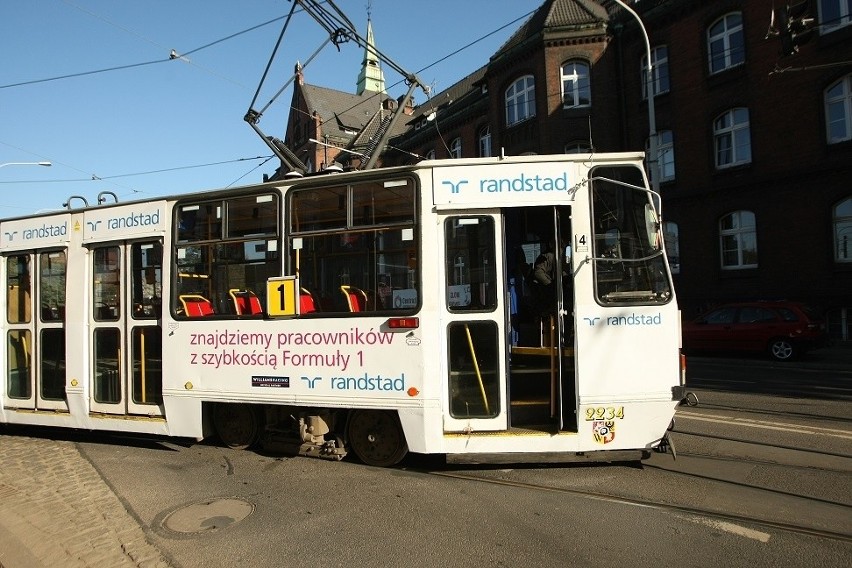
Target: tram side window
column 18, row 289
column 630, row 265
column 227, row 249
column 471, row 278
column 147, row 280
column 355, row 247
column 107, row 290
column 52, row 270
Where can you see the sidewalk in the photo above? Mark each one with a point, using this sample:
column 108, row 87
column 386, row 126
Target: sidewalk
column 56, row 510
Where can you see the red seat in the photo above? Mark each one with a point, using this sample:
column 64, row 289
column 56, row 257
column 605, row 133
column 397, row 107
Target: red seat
column 196, row 306
column 356, row 298
column 246, row 302
column 307, row 303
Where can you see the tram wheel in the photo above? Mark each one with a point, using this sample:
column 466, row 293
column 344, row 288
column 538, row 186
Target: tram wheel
column 237, row 425
column 376, row 437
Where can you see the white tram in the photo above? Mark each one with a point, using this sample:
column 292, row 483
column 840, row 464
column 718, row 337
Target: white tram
column 379, row 312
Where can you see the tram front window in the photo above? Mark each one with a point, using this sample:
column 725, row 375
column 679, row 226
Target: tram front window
column 630, row 265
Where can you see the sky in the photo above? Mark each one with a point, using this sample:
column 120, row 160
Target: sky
column 92, row 86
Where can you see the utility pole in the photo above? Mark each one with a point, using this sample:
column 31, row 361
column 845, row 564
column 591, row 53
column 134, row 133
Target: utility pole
column 653, row 159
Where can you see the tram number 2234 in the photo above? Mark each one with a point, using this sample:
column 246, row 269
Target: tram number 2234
column 604, row 412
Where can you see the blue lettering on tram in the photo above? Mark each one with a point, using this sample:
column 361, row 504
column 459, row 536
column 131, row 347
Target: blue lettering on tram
column 134, row 220
column 521, row 183
column 43, row 232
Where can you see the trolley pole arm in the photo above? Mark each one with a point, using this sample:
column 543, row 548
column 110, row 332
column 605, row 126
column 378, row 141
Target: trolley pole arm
column 278, row 148
column 389, row 128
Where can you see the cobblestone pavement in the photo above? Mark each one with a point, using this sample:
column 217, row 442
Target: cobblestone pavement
column 56, row 510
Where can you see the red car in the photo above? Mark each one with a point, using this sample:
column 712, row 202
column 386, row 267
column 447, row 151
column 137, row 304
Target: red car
column 784, row 330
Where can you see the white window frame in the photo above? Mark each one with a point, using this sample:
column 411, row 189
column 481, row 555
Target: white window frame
column 578, row 148
column 456, row 148
column 842, row 222
column 732, row 136
column 665, row 154
column 659, row 72
column 838, row 111
column 671, row 239
column 485, row 141
column 520, row 100
column 430, row 155
column 726, row 45
column 576, row 83
column 740, row 238
column 840, row 18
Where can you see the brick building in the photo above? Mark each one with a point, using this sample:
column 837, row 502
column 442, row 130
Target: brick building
column 754, row 146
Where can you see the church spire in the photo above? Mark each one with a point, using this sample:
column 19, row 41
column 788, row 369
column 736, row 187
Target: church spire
column 371, row 77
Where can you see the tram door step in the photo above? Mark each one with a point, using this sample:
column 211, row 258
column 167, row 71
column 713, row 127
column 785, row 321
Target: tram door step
column 530, row 411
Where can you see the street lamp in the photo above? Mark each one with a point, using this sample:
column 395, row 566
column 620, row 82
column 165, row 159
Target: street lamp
column 25, row 164
column 653, row 161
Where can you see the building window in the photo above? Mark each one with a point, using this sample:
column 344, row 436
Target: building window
column 843, row 231
column 578, row 148
column 725, row 43
column 738, row 240
column 838, row 110
column 520, row 100
column 732, row 138
column 455, row 148
column 485, row 142
column 659, row 72
column 671, row 238
column 834, row 14
column 576, row 85
column 430, row 155
column 665, row 154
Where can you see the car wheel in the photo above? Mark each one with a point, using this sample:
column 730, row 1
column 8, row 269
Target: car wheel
column 782, row 349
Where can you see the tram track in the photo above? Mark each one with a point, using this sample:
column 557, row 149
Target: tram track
column 800, row 449
column 701, row 512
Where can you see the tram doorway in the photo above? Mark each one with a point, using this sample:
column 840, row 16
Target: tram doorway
column 542, row 385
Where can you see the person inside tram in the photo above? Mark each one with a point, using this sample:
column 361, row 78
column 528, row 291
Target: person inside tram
column 544, row 281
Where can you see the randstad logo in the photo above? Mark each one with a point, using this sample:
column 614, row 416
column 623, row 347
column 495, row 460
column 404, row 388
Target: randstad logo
column 519, row 184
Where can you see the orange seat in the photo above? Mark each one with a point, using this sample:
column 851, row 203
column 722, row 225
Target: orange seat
column 246, row 302
column 196, row 306
column 356, row 298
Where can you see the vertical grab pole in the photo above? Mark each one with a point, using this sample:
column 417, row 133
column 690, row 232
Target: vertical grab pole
column 476, row 368
column 554, row 352
column 142, row 366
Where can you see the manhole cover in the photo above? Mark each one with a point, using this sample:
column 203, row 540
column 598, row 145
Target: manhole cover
column 208, row 516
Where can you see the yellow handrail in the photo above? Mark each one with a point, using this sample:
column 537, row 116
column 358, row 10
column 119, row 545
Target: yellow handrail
column 476, row 368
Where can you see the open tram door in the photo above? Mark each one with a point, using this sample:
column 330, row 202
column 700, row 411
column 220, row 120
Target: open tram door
column 125, row 326
column 540, row 284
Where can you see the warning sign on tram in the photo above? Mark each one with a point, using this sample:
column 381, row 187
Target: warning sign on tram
column 281, row 296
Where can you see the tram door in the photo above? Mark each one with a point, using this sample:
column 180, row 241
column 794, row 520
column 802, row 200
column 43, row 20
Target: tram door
column 541, row 323
column 35, row 337
column 125, row 327
column 474, row 315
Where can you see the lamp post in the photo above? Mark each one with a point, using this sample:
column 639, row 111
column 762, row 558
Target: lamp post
column 47, row 164
column 653, row 160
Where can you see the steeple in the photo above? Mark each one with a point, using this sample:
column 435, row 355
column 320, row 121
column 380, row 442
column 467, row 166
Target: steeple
column 370, row 78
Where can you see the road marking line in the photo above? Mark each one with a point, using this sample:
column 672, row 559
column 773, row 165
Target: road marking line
column 780, row 426
column 734, row 529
